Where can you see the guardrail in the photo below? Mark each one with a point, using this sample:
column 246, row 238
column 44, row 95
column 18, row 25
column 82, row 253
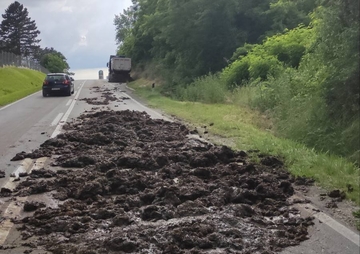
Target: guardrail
column 10, row 59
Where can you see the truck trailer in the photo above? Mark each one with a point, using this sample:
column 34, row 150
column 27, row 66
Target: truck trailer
column 119, row 69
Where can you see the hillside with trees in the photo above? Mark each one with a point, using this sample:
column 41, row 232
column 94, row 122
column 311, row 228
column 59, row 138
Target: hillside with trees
column 295, row 61
column 19, row 35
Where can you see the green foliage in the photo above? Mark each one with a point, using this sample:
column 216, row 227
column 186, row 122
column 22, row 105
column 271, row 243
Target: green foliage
column 22, row 41
column 288, row 14
column 123, row 24
column 263, row 60
column 245, row 129
column 338, row 48
column 301, row 113
column 290, row 47
column 255, row 20
column 16, row 83
column 189, row 39
column 357, row 216
column 301, row 70
column 54, row 63
column 250, row 67
column 206, row 89
column 237, row 73
column 314, row 100
column 195, row 41
column 241, row 52
column 19, row 35
column 262, row 66
column 41, row 53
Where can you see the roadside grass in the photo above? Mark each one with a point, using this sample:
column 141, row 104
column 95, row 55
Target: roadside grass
column 16, row 83
column 250, row 130
column 357, row 216
column 206, row 89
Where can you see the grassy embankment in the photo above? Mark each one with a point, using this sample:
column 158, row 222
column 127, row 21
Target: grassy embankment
column 249, row 130
column 16, row 83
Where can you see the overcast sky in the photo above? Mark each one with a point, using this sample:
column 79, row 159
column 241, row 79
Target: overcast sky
column 82, row 30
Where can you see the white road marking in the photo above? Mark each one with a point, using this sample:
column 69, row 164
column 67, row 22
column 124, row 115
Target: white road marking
column 14, row 208
column 129, row 88
column 18, row 101
column 10, row 213
column 326, row 219
column 57, row 119
column 68, row 103
column 24, row 167
column 66, row 115
column 341, row 229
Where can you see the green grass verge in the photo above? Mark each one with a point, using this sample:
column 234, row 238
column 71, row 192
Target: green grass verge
column 249, row 130
column 357, row 216
column 16, row 83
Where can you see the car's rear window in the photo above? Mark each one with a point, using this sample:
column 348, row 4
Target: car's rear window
column 55, row 77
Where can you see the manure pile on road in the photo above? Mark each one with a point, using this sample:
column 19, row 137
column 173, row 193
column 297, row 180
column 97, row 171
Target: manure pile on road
column 131, row 184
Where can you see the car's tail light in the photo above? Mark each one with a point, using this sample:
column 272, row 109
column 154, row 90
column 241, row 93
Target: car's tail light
column 46, row 82
column 66, row 82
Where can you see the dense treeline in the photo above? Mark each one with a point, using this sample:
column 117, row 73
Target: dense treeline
column 19, row 35
column 297, row 61
column 186, row 39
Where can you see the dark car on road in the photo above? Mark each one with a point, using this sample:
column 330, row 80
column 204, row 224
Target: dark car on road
column 58, row 83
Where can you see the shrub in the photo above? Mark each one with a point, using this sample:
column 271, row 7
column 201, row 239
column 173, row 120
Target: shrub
column 236, row 74
column 262, row 66
column 206, row 89
column 267, row 59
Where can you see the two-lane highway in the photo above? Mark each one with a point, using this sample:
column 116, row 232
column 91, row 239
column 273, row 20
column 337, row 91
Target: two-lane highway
column 26, row 124
column 16, row 119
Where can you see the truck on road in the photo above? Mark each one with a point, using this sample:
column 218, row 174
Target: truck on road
column 101, row 74
column 119, row 68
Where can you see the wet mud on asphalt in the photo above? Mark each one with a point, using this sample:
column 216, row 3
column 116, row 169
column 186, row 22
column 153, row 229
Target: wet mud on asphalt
column 127, row 183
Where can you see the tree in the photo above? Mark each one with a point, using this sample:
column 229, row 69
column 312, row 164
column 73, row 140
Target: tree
column 185, row 39
column 338, row 48
column 124, row 23
column 288, row 14
column 41, row 55
column 18, row 32
column 53, row 63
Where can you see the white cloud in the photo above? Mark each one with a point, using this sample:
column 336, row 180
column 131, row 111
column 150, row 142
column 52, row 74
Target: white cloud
column 80, row 29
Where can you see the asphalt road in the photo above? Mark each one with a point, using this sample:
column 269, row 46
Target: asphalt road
column 26, row 124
